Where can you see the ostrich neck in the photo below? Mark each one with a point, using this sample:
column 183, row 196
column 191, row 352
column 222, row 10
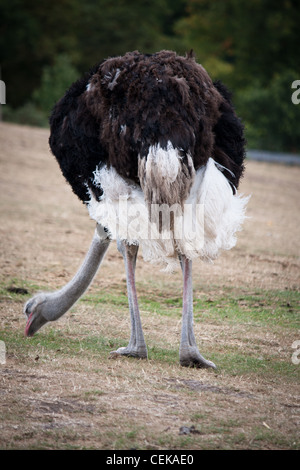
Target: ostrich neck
column 62, row 300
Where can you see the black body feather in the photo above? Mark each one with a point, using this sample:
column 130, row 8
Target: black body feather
column 137, row 101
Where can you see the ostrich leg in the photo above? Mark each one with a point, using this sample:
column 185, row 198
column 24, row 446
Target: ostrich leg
column 137, row 346
column 45, row 307
column 189, row 354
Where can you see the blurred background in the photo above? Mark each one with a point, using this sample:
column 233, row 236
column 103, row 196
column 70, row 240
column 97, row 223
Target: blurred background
column 252, row 46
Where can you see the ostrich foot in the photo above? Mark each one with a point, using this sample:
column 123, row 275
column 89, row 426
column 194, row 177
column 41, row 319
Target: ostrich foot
column 131, row 351
column 191, row 357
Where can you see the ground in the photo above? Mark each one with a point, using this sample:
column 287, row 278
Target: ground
column 61, row 390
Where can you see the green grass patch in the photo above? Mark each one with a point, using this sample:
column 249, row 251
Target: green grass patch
column 232, row 305
column 259, row 307
column 157, row 354
column 51, row 340
column 263, row 308
column 107, row 299
column 237, row 363
column 18, row 290
column 277, row 311
column 54, row 341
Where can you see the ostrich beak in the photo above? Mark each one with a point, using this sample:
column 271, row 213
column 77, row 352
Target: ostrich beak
column 27, row 328
column 34, row 323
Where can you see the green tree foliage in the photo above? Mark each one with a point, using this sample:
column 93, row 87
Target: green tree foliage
column 32, row 33
column 252, row 45
column 272, row 119
column 251, row 38
column 113, row 28
column 54, row 82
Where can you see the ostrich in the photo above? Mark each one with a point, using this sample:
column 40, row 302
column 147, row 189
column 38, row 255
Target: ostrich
column 151, row 145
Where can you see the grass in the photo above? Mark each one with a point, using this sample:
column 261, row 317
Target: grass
column 51, row 340
column 271, row 308
column 243, row 321
column 274, row 310
column 262, row 307
column 7, row 287
column 238, row 364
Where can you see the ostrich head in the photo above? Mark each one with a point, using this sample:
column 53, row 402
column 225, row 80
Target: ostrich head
column 35, row 310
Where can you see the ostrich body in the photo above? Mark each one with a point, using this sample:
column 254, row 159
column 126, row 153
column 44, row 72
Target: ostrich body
column 155, row 150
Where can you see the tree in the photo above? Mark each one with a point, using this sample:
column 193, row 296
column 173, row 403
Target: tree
column 248, row 39
column 253, row 47
column 31, row 35
column 54, row 82
column 108, row 29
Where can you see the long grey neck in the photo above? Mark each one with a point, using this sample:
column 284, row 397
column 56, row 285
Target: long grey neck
column 59, row 302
